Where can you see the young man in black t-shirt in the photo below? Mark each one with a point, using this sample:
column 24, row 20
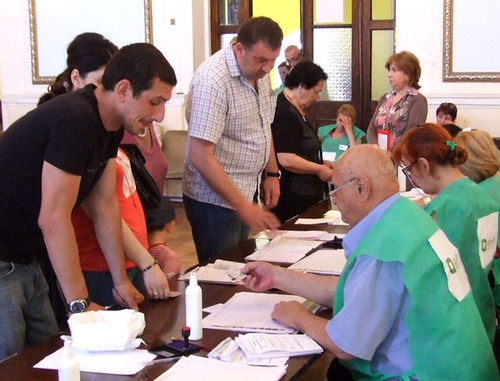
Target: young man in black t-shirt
column 60, row 155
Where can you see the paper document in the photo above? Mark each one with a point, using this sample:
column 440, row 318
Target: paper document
column 194, row 368
column 314, row 221
column 114, row 362
column 323, row 261
column 283, row 250
column 299, row 234
column 228, row 350
column 221, row 271
column 258, row 345
column 251, row 312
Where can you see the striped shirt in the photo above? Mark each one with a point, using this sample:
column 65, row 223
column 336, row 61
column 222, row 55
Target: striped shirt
column 225, row 109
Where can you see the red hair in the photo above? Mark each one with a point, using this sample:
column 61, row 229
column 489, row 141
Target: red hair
column 431, row 142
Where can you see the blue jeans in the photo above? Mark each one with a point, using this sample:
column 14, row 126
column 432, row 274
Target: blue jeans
column 26, row 317
column 100, row 285
column 214, row 228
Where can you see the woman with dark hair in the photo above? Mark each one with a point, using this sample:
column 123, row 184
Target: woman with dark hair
column 403, row 107
column 87, row 56
column 466, row 213
column 304, row 175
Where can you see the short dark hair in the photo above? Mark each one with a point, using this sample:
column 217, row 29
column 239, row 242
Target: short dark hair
column 306, row 73
column 140, row 63
column 258, row 29
column 448, row 109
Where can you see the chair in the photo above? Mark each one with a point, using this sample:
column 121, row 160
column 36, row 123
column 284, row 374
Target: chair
column 174, row 145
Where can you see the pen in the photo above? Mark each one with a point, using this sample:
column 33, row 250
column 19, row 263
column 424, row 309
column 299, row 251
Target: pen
column 161, row 361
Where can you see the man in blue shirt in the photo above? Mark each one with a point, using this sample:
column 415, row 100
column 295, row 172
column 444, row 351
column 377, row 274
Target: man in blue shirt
column 403, row 295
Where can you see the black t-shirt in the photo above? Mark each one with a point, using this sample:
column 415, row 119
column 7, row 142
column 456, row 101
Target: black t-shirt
column 68, row 133
column 293, row 134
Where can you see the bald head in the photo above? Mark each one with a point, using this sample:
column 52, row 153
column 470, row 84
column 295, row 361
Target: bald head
column 375, row 180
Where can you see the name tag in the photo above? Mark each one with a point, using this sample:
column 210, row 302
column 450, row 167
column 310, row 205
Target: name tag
column 329, row 156
column 458, row 282
column 343, row 147
column 487, row 231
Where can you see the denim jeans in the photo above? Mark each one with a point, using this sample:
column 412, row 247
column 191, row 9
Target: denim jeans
column 214, row 228
column 26, row 317
column 100, row 285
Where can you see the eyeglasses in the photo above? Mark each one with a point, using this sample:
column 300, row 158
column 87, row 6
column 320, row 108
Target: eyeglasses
column 406, row 171
column 294, row 59
column 333, row 193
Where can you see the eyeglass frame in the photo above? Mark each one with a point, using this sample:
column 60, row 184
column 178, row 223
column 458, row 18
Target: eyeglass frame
column 407, row 173
column 334, row 192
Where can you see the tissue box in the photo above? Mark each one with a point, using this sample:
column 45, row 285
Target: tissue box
column 106, row 330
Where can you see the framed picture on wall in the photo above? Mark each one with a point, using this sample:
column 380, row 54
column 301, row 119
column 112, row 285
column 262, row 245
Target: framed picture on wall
column 54, row 24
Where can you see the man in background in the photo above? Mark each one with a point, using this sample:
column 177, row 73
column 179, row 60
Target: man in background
column 230, row 109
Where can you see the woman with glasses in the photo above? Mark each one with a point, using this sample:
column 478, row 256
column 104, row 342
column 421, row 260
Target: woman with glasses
column 304, row 174
column 403, row 107
column 466, row 213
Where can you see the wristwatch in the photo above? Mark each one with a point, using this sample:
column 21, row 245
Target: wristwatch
column 273, row 174
column 78, row 305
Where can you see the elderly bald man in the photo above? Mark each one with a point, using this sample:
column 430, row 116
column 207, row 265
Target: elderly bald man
column 403, row 305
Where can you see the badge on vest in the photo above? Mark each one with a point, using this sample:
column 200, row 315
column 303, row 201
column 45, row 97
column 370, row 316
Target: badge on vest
column 487, row 232
column 458, row 282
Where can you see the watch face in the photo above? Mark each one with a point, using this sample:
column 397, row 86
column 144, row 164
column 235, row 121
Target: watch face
column 77, row 306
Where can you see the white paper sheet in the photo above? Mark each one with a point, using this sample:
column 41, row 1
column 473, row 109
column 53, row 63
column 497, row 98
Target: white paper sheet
column 261, row 345
column 221, row 271
column 194, row 368
column 117, row 362
column 323, row 261
column 283, row 250
column 250, row 312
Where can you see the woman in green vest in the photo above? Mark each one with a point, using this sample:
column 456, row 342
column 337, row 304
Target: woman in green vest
column 465, row 212
column 482, row 167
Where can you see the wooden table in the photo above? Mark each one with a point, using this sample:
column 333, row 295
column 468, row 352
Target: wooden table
column 164, row 320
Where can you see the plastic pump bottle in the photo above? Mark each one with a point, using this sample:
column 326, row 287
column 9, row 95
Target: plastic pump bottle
column 69, row 369
column 193, row 308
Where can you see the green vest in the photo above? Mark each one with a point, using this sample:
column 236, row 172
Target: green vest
column 469, row 218
column 446, row 338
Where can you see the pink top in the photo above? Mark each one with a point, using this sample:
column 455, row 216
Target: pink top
column 156, row 162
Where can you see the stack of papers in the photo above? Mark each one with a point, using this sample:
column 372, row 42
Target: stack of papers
column 283, row 250
column 221, row 271
column 251, row 312
column 194, row 368
column 323, row 262
column 262, row 345
column 229, row 351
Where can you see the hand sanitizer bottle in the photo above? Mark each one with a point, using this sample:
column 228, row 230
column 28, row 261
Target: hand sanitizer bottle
column 193, row 308
column 69, row 369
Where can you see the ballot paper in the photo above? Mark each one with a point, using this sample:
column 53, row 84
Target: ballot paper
column 323, row 261
column 228, row 350
column 194, row 368
column 261, row 345
column 332, row 217
column 221, row 271
column 318, row 235
column 111, row 362
column 283, row 250
column 251, row 312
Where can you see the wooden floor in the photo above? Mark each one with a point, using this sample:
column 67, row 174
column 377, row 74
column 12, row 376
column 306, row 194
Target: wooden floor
column 181, row 239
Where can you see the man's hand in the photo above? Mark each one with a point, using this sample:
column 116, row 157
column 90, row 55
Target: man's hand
column 156, row 283
column 257, row 218
column 271, row 187
column 288, row 313
column 260, row 276
column 127, row 295
column 324, row 173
